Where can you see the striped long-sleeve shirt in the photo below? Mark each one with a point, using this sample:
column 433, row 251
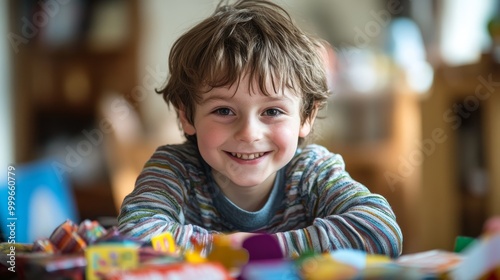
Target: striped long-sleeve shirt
column 314, row 205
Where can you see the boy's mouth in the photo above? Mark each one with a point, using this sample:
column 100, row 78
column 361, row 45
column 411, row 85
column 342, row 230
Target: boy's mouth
column 248, row 156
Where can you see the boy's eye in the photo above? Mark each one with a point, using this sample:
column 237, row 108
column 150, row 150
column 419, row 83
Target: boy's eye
column 223, row 111
column 272, row 112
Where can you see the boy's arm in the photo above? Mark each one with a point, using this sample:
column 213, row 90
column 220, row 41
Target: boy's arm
column 156, row 205
column 346, row 215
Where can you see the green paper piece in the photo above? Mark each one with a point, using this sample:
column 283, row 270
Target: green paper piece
column 462, row 242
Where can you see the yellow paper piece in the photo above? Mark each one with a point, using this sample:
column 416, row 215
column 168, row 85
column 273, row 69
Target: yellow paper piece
column 164, row 243
column 104, row 258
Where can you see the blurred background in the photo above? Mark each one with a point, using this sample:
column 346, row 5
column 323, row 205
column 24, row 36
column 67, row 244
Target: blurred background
column 414, row 111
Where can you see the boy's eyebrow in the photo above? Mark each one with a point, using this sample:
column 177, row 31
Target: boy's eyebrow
column 215, row 97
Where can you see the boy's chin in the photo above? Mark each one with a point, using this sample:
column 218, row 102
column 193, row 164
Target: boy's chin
column 246, row 183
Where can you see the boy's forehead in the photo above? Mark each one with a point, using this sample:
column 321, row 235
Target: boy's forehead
column 251, row 84
column 231, row 90
column 235, row 91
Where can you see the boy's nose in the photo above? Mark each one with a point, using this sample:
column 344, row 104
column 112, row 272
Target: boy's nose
column 249, row 130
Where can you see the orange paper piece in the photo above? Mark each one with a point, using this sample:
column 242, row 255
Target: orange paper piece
column 194, row 257
column 231, row 258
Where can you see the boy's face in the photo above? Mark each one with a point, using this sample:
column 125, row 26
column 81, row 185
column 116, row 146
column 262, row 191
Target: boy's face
column 246, row 136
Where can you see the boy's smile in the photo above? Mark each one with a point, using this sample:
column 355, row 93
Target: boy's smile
column 250, row 156
column 247, row 136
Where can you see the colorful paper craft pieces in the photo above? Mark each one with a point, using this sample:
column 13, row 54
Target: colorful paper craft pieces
column 222, row 252
column 90, row 231
column 269, row 270
column 164, row 243
column 323, row 266
column 262, row 247
column 435, row 262
column 354, row 258
column 178, row 271
column 194, row 257
column 66, row 238
column 107, row 257
column 41, row 265
column 195, row 254
column 481, row 259
column 44, row 245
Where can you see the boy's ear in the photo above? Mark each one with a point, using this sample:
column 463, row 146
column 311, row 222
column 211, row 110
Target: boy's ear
column 306, row 127
column 187, row 127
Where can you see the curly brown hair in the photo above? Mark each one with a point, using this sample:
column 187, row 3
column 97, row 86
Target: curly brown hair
column 254, row 37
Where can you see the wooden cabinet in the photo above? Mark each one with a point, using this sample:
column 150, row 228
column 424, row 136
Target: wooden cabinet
column 461, row 178
column 68, row 56
column 437, row 160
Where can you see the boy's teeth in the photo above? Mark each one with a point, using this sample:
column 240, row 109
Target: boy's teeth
column 247, row 156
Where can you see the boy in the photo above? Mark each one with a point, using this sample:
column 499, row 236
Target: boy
column 247, row 85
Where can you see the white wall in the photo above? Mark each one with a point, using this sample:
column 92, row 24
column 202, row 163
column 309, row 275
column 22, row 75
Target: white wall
column 162, row 22
column 464, row 34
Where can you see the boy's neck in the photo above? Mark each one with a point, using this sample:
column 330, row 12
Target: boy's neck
column 247, row 198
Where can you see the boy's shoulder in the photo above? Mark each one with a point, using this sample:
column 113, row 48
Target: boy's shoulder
column 185, row 152
column 313, row 151
column 312, row 166
column 312, row 156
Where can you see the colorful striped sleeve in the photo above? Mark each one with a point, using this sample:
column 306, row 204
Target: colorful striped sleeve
column 344, row 213
column 156, row 203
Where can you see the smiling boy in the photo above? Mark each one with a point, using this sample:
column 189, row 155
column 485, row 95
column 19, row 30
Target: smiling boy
column 247, row 138
column 247, row 84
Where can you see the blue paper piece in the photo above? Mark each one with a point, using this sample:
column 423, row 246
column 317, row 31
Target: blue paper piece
column 355, row 258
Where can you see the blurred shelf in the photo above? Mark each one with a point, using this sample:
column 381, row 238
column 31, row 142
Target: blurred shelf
column 374, row 155
column 85, row 51
column 464, row 104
